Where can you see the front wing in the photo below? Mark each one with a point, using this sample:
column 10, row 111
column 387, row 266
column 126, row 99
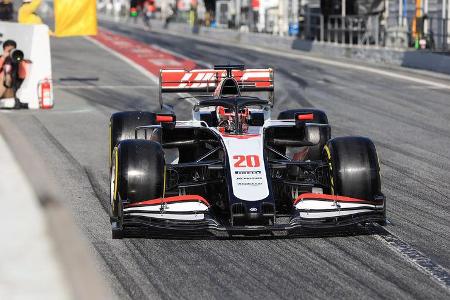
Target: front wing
column 191, row 213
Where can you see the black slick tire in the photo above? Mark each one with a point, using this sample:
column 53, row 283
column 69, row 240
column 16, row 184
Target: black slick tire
column 354, row 167
column 123, row 125
column 314, row 152
column 137, row 174
column 141, row 170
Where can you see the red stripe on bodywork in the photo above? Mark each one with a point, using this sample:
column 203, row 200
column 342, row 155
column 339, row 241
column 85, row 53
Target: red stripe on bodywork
column 327, row 197
column 242, row 137
column 164, row 119
column 307, row 117
column 187, row 79
column 183, row 198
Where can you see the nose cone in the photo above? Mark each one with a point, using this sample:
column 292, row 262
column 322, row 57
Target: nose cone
column 254, row 215
column 247, row 212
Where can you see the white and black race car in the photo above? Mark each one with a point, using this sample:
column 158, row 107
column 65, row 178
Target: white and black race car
column 234, row 170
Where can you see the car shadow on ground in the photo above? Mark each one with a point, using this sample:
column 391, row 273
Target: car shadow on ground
column 355, row 230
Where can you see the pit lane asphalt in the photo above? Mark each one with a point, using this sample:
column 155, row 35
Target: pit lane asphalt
column 408, row 123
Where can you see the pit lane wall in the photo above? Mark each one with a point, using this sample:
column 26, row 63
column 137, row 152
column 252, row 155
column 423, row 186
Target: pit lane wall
column 424, row 60
column 34, row 41
column 43, row 255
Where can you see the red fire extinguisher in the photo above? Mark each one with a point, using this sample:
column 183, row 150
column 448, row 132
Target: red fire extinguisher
column 45, row 94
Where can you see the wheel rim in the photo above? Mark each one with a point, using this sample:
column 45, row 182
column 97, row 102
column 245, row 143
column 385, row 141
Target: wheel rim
column 113, row 181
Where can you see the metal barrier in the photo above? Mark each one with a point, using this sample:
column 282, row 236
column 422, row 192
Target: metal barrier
column 314, row 27
column 371, row 31
column 352, row 30
column 358, row 30
column 433, row 30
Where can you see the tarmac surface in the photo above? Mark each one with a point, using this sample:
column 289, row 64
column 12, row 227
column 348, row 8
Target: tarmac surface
column 408, row 121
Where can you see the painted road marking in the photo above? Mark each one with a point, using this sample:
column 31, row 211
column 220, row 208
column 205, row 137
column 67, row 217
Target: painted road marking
column 76, row 111
column 423, row 263
column 119, row 49
column 425, row 87
column 150, row 58
column 139, row 68
column 324, row 61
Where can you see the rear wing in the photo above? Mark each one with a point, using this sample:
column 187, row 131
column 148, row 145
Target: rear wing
column 206, row 81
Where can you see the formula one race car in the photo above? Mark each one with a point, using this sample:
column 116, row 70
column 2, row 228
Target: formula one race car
column 234, row 170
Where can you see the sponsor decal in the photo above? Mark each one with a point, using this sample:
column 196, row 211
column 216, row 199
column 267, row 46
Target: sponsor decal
column 183, row 79
column 248, row 174
column 253, row 178
column 244, row 161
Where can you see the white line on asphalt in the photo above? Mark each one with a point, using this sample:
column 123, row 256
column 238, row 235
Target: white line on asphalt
column 139, row 68
column 197, row 61
column 352, row 67
column 76, row 111
column 425, row 87
column 416, row 258
column 125, row 59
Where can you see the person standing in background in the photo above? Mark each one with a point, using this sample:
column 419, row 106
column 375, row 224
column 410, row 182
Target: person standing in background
column 6, row 10
column 12, row 74
column 169, row 13
column 148, row 9
column 27, row 12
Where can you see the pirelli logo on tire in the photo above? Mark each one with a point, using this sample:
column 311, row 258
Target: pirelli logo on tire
column 327, row 151
column 114, row 177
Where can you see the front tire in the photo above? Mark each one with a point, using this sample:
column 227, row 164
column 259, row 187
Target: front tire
column 354, row 168
column 141, row 170
column 137, row 174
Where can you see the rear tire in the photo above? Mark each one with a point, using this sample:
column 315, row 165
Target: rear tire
column 314, row 152
column 123, row 125
column 354, row 167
